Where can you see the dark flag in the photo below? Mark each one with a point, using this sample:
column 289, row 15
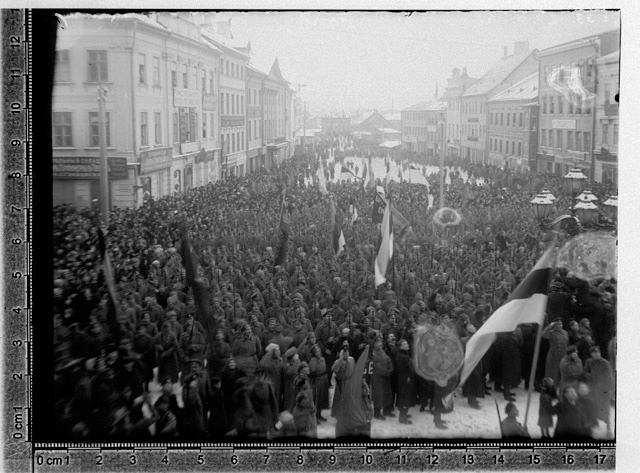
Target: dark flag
column 283, row 238
column 190, row 261
column 378, row 208
column 113, row 306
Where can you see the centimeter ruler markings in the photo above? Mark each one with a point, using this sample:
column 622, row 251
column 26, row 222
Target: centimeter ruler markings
column 17, row 233
column 196, row 457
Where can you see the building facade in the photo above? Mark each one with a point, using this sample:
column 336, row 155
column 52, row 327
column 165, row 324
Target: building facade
column 607, row 125
column 474, row 115
column 457, row 85
column 332, row 125
column 568, row 114
column 508, row 131
column 414, row 128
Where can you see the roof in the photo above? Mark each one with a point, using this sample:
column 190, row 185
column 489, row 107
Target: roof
column 275, row 70
column 388, row 130
column 397, row 116
column 526, row 89
column 430, row 105
column 390, row 144
column 362, row 117
column 498, row 73
column 611, row 57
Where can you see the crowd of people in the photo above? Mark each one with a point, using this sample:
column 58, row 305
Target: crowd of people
column 259, row 349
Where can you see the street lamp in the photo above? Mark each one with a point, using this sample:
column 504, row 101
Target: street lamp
column 611, row 205
column 586, row 212
column 587, row 196
column 575, row 180
column 541, row 205
column 545, row 192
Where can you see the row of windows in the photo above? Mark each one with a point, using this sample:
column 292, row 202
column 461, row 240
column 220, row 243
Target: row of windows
column 496, row 145
column 233, row 142
column 510, row 119
column 232, row 104
column 575, row 140
column 231, row 69
column 474, row 130
column 473, row 107
column 554, row 105
column 62, row 129
column 585, row 67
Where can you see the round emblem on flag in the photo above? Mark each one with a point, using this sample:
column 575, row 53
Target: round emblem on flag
column 439, row 353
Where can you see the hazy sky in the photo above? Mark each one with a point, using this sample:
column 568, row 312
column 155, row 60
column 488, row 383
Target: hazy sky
column 354, row 59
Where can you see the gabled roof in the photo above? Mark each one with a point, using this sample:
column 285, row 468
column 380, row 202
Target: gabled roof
column 526, row 89
column 498, row 73
column 364, row 116
column 275, row 70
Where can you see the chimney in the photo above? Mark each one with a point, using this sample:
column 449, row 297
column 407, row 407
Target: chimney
column 520, row 47
column 505, row 51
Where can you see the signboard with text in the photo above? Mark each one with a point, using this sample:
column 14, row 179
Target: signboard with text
column 563, row 124
column 187, row 98
column 228, row 121
column 189, row 147
column 209, row 102
column 155, row 159
column 88, row 168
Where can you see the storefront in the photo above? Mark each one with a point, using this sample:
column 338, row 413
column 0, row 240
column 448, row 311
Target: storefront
column 155, row 164
column 76, row 181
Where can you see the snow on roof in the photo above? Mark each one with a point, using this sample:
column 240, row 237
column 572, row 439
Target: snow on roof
column 390, row 144
column 393, row 116
column 499, row 72
column 388, row 130
column 526, row 89
column 362, row 117
column 610, row 57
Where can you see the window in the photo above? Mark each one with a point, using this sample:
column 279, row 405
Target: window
column 587, row 141
column 255, row 129
column 570, row 111
column 156, row 71
column 520, row 122
column 578, row 141
column 176, row 124
column 212, row 128
column 508, row 118
column 605, row 133
column 194, row 77
column 227, row 110
column 238, row 105
column 615, row 134
column 543, row 137
column 174, row 75
column 144, row 132
column 551, row 105
column 559, row 139
column 204, row 125
column 62, row 68
column 607, row 94
column 193, row 124
column 62, row 129
column 544, row 105
column 94, row 129
column 157, row 127
column 587, row 110
column 204, row 81
column 551, row 139
column 211, row 91
column 98, row 66
column 513, row 148
column 226, row 63
column 560, row 105
column 185, row 77
column 589, row 67
column 243, row 140
column 501, row 146
column 578, row 107
column 569, row 139
column 519, row 149
column 545, row 74
column 242, row 105
column 514, row 119
column 142, row 69
column 249, row 130
column 501, row 118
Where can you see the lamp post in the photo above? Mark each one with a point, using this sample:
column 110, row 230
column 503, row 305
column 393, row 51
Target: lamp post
column 541, row 205
column 586, row 212
column 611, row 205
column 575, row 180
column 441, row 123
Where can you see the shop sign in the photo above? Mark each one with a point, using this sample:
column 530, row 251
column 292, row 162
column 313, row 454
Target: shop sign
column 189, row 147
column 187, row 98
column 155, row 160
column 209, row 102
column 228, row 121
column 563, row 124
column 88, row 168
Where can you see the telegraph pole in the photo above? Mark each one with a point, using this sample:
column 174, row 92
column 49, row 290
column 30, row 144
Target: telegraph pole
column 104, row 168
column 441, row 150
column 304, row 132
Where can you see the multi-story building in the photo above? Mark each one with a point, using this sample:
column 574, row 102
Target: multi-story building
column 567, row 108
column 457, row 84
column 421, row 127
column 256, row 152
column 159, row 77
column 607, row 126
column 473, row 119
column 277, row 109
column 508, row 132
column 394, row 119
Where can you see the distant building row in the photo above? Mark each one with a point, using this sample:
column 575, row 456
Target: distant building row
column 548, row 110
column 184, row 107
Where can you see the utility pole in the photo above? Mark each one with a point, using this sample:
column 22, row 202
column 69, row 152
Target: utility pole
column 441, row 150
column 104, row 168
column 304, row 132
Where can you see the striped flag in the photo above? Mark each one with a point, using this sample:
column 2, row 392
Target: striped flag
column 366, row 178
column 385, row 250
column 353, row 212
column 337, row 237
column 527, row 304
column 417, row 178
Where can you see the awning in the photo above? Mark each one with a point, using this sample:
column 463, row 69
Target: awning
column 390, row 144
